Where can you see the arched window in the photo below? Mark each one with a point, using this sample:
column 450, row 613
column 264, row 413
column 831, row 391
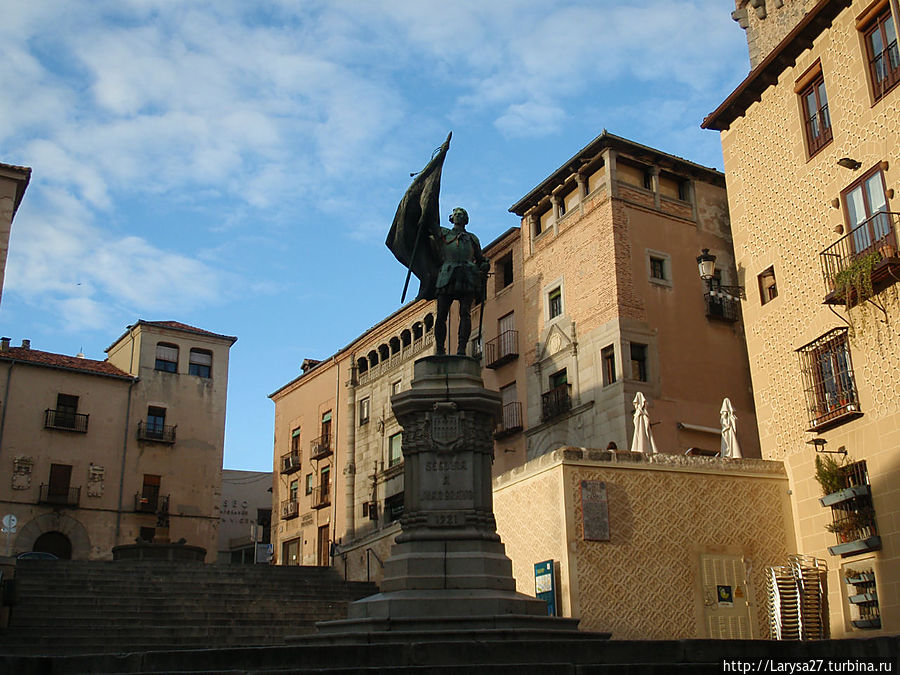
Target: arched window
column 373, row 358
column 395, row 345
column 417, row 331
column 166, row 357
column 200, row 363
column 362, row 364
column 429, row 323
column 384, row 352
column 406, row 338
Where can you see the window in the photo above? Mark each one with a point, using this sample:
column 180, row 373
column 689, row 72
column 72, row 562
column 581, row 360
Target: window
column 884, row 58
column 828, row 381
column 504, row 272
column 156, row 422
column 294, row 489
column 166, row 357
column 295, row 441
column 395, row 450
column 326, row 428
column 768, row 290
column 150, row 492
column 393, row 508
column 364, row 411
column 657, row 268
column 639, row 362
column 866, row 211
column 200, row 363
column 554, row 302
column 608, row 361
column 66, row 409
column 815, row 112
column 309, row 484
column 559, row 379
column 395, row 387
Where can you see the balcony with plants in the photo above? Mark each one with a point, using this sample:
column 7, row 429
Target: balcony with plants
column 862, row 263
column 862, row 595
column 845, row 488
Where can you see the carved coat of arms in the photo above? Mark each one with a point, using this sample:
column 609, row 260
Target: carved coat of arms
column 445, row 426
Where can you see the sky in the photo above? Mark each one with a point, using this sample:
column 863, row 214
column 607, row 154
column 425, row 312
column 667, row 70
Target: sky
column 236, row 165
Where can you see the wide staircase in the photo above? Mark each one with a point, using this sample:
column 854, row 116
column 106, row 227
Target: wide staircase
column 71, row 607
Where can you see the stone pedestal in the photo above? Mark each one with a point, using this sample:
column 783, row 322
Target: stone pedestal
column 448, row 569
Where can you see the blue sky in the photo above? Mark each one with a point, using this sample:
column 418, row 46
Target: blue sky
column 236, row 166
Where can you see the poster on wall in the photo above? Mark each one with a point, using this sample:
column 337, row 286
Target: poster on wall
column 594, row 511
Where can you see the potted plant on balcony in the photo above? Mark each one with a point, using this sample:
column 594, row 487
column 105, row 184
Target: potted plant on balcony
column 848, row 528
column 829, row 474
column 854, row 282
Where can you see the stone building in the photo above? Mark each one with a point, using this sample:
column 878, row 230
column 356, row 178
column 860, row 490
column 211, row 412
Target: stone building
column 103, row 453
column 13, row 183
column 809, row 140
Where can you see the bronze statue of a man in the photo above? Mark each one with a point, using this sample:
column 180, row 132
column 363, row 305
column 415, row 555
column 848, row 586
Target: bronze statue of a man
column 447, row 261
column 461, row 277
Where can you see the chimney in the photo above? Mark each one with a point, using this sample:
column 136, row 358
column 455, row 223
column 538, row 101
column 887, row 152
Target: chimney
column 26, row 344
column 4, row 344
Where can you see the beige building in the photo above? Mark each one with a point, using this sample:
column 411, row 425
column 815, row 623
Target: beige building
column 810, row 143
column 103, row 453
column 13, row 183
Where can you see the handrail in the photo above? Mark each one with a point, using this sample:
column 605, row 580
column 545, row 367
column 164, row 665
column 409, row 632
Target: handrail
column 875, row 235
column 380, row 562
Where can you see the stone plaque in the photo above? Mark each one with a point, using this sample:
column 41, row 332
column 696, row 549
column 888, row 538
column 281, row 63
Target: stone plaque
column 594, row 511
column 446, row 482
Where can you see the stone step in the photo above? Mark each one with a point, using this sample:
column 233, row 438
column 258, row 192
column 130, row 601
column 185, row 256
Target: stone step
column 456, row 654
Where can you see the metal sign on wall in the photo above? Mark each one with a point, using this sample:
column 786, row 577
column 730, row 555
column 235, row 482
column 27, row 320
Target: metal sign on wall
column 594, row 511
column 545, row 585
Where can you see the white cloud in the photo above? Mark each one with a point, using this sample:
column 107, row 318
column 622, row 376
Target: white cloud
column 530, row 119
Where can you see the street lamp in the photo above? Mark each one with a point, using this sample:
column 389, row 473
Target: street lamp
column 706, row 263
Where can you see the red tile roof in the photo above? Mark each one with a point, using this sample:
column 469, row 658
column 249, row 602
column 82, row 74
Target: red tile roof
column 36, row 357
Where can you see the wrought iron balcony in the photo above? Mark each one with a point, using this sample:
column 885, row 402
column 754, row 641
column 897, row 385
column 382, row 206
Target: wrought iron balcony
column 290, row 462
column 147, row 504
column 320, row 448
column 67, row 496
column 863, row 262
column 722, row 306
column 159, row 433
column 510, row 420
column 289, row 509
column 556, row 402
column 66, row 421
column 321, row 496
column 502, row 349
column 818, row 130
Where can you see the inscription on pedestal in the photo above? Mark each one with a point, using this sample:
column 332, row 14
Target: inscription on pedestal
column 446, row 483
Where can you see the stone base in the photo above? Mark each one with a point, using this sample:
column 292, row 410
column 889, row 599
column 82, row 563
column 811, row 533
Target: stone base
column 501, row 627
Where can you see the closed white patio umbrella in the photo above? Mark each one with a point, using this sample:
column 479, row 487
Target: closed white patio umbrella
column 643, row 437
column 730, row 446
